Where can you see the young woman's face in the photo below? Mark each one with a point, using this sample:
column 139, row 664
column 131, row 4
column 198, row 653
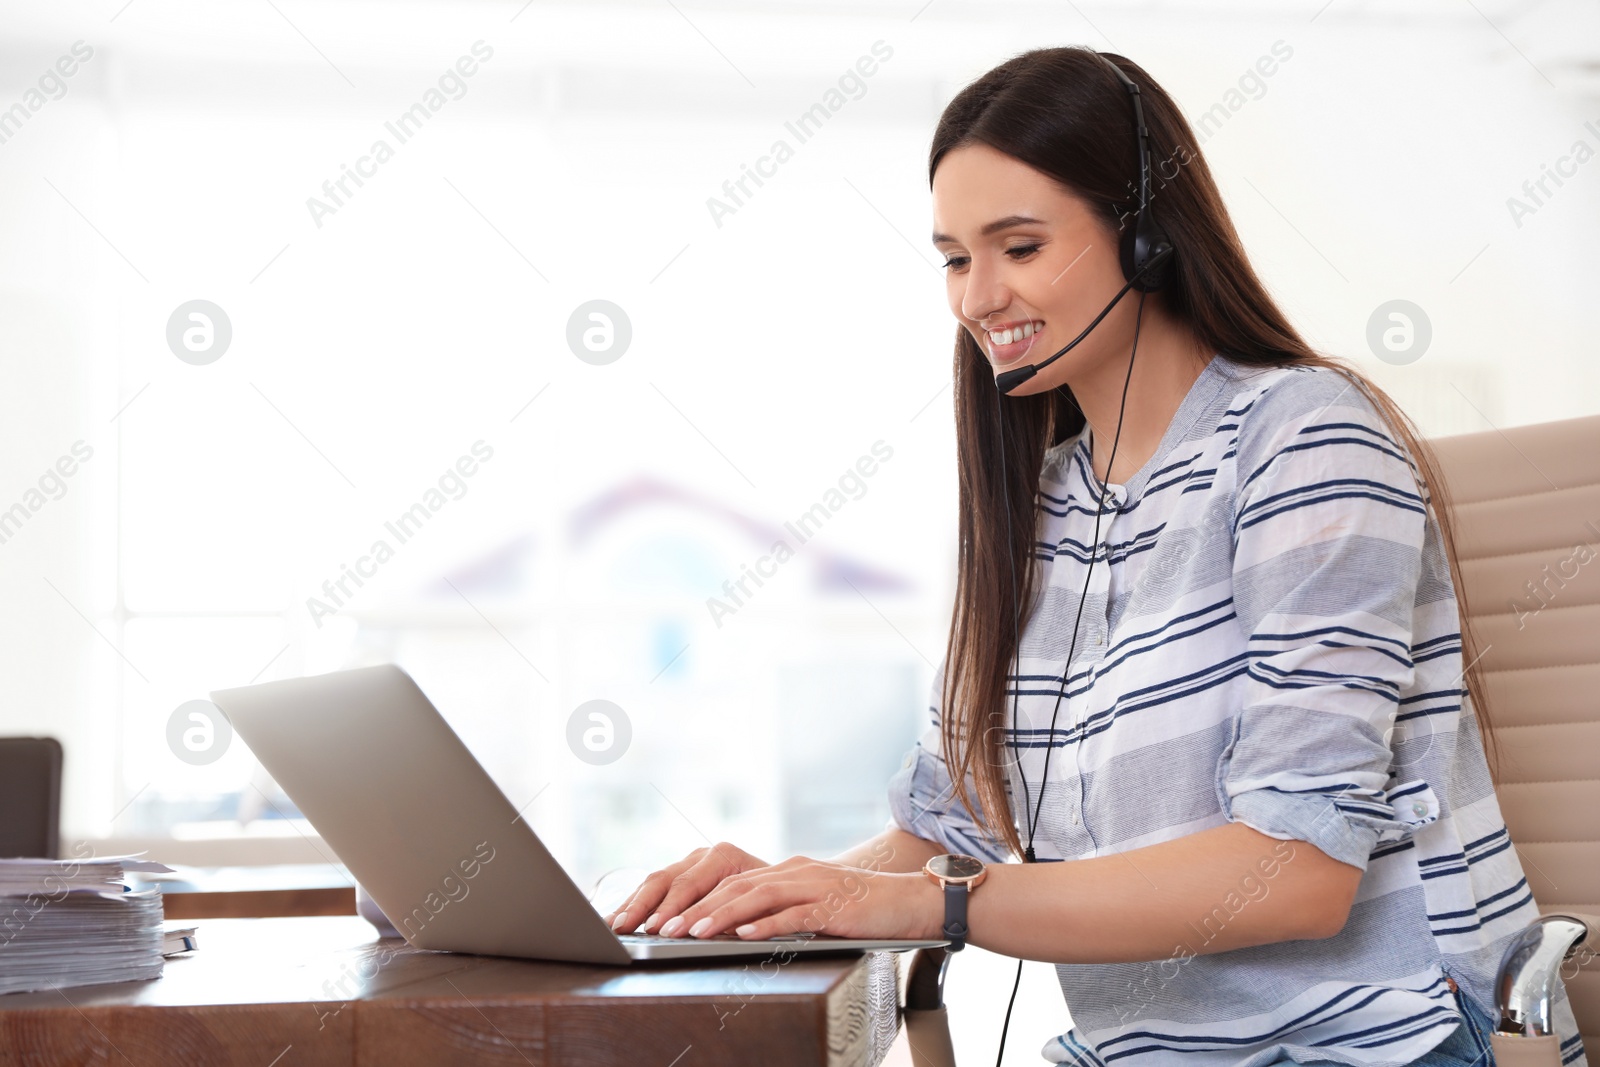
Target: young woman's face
column 1024, row 254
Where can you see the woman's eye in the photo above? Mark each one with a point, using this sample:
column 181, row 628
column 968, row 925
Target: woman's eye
column 1019, row 252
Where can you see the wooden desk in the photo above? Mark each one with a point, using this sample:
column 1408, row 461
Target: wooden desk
column 309, row 992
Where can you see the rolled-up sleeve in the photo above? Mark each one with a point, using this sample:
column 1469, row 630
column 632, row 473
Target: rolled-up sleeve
column 922, row 797
column 1328, row 553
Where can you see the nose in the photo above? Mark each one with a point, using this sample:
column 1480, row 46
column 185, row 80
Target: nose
column 985, row 294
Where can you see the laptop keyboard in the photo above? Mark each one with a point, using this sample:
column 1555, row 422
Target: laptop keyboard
column 655, row 939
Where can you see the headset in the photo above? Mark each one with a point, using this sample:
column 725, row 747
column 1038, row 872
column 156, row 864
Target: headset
column 1145, row 251
column 1146, row 256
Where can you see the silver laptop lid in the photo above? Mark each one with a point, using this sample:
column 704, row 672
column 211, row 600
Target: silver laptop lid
column 415, row 818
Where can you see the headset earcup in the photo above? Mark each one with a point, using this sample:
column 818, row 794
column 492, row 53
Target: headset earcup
column 1140, row 242
column 1127, row 250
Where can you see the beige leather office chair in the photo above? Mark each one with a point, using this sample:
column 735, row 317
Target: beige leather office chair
column 1527, row 507
column 1526, row 502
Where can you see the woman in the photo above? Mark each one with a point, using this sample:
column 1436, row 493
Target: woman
column 1243, row 703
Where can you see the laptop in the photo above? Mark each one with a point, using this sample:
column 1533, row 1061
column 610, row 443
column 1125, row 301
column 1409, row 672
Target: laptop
column 394, row 793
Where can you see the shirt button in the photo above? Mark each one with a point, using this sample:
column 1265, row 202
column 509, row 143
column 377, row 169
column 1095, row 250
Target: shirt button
column 1419, row 809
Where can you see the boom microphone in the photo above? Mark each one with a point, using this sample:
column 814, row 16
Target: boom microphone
column 1017, row 375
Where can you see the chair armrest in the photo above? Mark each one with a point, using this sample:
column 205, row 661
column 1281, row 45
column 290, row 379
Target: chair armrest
column 1526, row 983
column 1591, row 942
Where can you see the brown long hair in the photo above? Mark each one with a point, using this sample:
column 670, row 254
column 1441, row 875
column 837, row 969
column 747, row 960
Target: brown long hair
column 1063, row 112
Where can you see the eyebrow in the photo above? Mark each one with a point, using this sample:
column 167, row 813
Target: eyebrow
column 994, row 227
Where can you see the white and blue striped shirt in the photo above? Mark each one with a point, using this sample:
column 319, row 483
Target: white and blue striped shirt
column 1274, row 641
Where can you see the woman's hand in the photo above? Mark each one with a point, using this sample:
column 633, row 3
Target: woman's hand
column 801, row 895
column 665, row 893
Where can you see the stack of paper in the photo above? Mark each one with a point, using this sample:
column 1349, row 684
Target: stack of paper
column 73, row 922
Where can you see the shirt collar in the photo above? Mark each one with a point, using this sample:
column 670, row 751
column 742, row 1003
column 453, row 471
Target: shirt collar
column 1217, row 373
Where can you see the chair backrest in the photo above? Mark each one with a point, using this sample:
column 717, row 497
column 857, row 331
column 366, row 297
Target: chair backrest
column 1526, row 502
column 30, row 796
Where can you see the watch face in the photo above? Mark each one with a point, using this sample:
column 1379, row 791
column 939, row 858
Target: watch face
column 955, row 867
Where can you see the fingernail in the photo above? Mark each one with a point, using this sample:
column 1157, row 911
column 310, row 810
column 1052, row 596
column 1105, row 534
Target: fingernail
column 746, row 930
column 622, row 917
column 674, row 924
column 700, row 927
column 655, row 917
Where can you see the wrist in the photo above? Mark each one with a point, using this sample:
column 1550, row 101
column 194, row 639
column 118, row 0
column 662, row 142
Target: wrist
column 956, row 876
column 924, row 907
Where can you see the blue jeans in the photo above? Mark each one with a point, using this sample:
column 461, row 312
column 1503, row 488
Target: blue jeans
column 1467, row 1045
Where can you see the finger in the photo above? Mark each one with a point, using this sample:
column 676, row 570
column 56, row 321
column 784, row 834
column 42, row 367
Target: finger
column 625, row 917
column 689, row 886
column 622, row 907
column 650, row 893
column 740, row 899
column 809, row 917
column 725, row 890
column 793, row 871
column 627, row 899
column 633, row 907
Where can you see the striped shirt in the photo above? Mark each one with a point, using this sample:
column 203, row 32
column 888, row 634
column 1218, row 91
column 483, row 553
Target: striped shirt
column 1270, row 637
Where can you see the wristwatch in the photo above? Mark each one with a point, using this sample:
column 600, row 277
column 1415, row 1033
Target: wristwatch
column 958, row 875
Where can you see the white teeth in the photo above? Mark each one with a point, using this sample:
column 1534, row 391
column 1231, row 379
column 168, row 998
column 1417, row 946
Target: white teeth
column 1020, row 333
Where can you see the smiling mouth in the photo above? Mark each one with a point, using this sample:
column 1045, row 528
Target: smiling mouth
column 1006, row 346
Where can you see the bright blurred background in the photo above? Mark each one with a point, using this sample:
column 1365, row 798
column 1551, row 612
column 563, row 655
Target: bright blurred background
column 426, row 314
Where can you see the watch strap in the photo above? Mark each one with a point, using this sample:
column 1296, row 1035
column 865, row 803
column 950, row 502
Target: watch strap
column 955, row 914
